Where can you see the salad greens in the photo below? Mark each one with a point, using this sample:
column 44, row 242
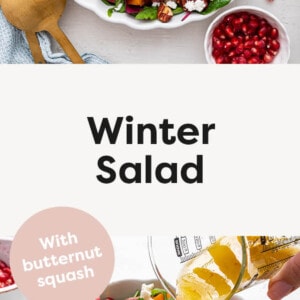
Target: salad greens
column 146, row 291
column 156, row 292
column 149, row 12
column 214, row 5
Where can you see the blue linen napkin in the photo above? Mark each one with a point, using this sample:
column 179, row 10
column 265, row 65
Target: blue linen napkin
column 14, row 48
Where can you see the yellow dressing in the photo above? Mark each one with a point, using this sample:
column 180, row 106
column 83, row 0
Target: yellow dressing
column 214, row 273
column 214, row 279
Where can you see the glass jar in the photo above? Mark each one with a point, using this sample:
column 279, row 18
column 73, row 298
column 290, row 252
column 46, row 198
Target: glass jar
column 207, row 268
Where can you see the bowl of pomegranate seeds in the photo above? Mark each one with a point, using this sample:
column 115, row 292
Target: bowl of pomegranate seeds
column 6, row 279
column 246, row 35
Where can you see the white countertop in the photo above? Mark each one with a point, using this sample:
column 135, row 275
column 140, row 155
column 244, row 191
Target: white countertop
column 123, row 45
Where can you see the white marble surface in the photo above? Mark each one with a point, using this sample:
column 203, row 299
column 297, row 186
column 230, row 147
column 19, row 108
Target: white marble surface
column 123, row 45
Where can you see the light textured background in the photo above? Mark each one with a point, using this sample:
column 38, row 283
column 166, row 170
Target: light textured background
column 121, row 44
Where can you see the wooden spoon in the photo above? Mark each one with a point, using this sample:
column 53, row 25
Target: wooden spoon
column 35, row 47
column 33, row 16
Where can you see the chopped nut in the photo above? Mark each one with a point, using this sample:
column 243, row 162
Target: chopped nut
column 164, row 13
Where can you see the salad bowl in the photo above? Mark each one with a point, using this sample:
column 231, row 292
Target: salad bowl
column 126, row 288
column 101, row 10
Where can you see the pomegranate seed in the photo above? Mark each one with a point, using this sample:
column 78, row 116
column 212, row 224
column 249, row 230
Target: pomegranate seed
column 227, row 46
column 268, row 58
column 217, row 43
column 217, row 32
column 254, row 51
column 216, row 52
column 245, row 28
column 227, row 60
column 245, row 17
column 254, row 60
column 272, row 52
column 274, row 33
column 263, row 22
column 9, row 281
column 260, row 44
column 6, row 270
column 253, row 17
column 6, row 278
column 237, row 23
column 235, row 41
column 253, row 23
column 261, row 51
column 274, row 45
column 245, row 38
column 229, row 31
column 228, row 19
column 3, row 276
column 263, row 31
column 235, row 61
column 220, row 59
column 249, row 44
column 242, row 60
column 240, row 48
column 231, row 54
column 247, row 53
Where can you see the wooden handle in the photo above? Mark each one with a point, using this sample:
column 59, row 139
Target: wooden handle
column 35, row 47
column 67, row 46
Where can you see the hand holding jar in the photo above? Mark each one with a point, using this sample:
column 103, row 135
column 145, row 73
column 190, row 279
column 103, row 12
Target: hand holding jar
column 286, row 280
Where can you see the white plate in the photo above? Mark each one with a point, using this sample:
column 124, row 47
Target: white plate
column 100, row 9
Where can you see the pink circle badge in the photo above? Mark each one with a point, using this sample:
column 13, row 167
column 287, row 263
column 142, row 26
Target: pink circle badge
column 62, row 253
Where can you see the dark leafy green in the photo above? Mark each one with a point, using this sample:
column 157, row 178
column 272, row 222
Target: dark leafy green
column 119, row 6
column 107, row 2
column 214, row 5
column 147, row 13
column 150, row 12
column 178, row 10
column 157, row 291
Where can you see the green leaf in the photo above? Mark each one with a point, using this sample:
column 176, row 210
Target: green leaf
column 117, row 4
column 214, row 5
column 121, row 4
column 110, row 11
column 107, row 2
column 157, row 291
column 147, row 13
column 178, row 10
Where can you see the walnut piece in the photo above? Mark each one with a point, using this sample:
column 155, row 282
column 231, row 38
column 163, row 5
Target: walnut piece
column 164, row 13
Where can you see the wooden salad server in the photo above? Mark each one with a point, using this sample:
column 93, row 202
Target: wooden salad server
column 33, row 16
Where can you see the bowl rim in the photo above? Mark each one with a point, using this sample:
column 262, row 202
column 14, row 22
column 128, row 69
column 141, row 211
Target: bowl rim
column 135, row 283
column 6, row 238
column 251, row 8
